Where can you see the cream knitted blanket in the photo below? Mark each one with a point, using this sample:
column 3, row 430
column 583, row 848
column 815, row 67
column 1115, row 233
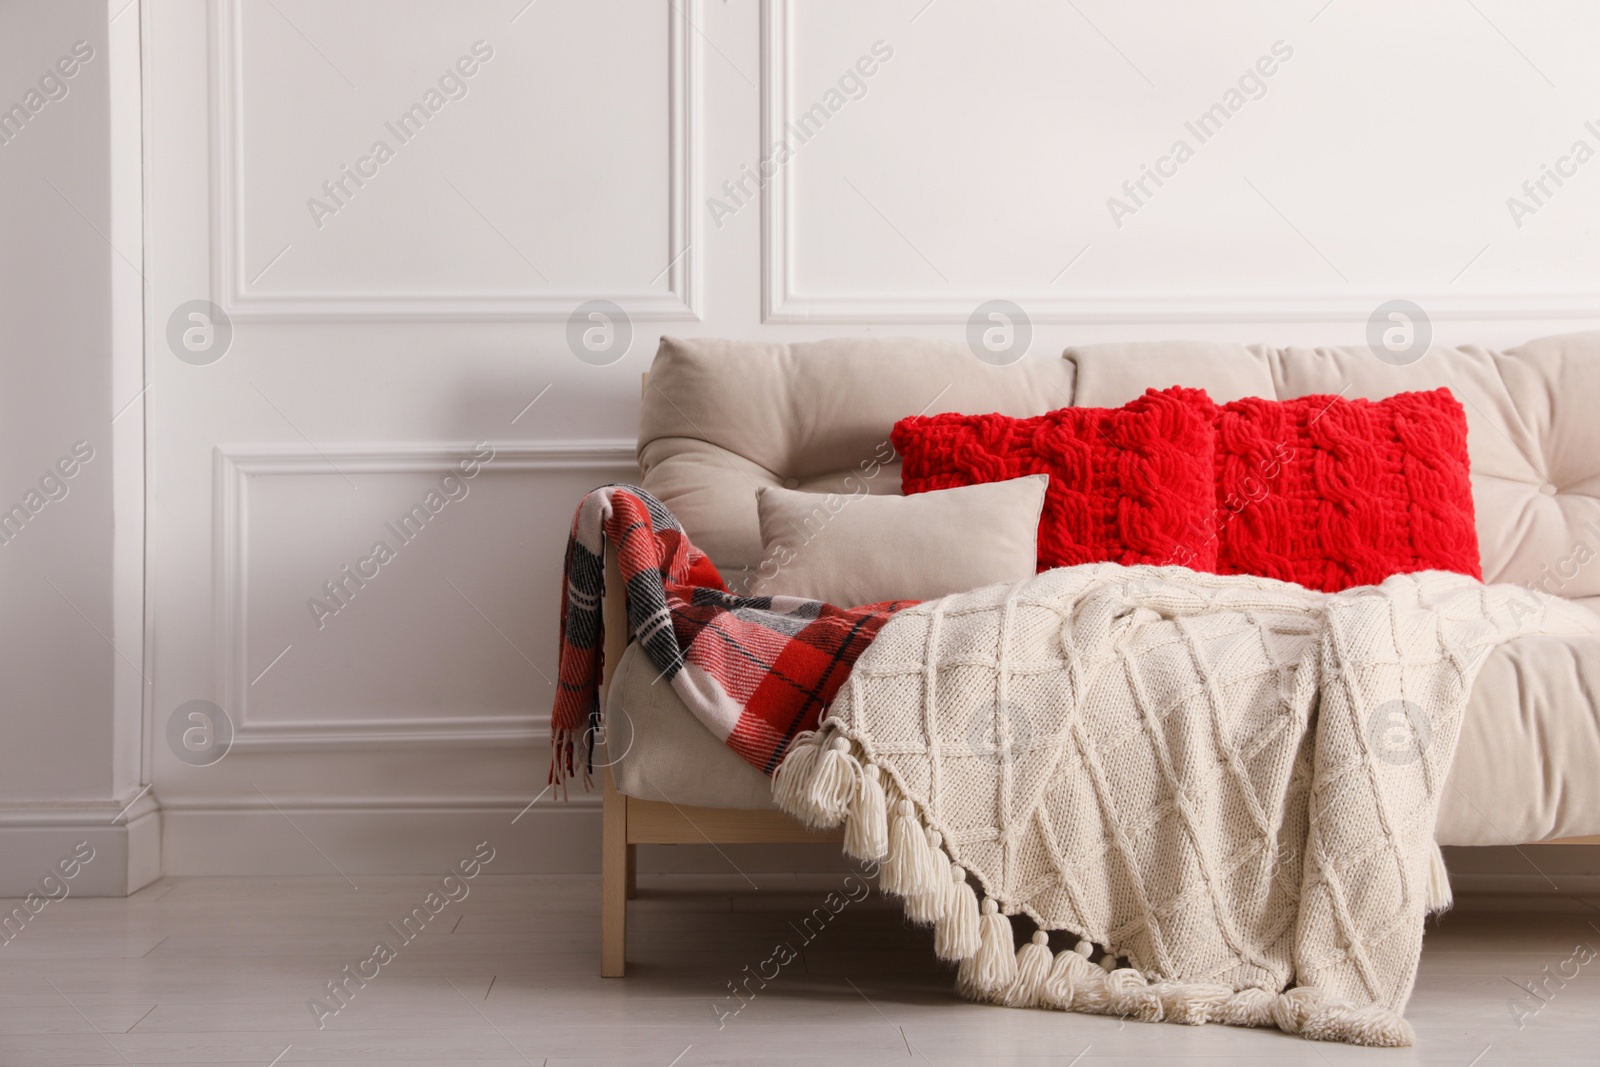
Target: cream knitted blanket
column 1223, row 788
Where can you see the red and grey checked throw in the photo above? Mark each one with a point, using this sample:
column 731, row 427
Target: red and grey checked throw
column 755, row 670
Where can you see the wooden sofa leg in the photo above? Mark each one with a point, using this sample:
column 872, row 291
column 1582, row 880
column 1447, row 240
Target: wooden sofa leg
column 615, row 853
column 633, row 871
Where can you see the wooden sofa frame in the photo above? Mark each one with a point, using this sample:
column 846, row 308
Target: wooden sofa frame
column 628, row 822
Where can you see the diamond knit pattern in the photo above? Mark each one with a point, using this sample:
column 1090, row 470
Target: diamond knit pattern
column 1223, row 779
column 1333, row 493
column 1127, row 485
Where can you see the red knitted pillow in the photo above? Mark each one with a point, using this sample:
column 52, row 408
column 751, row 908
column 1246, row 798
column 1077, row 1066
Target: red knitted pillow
column 1332, row 493
column 1127, row 485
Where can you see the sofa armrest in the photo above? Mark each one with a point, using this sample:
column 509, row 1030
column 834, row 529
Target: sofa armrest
column 614, row 617
column 617, row 856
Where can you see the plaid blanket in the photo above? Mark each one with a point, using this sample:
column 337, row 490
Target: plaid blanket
column 755, row 670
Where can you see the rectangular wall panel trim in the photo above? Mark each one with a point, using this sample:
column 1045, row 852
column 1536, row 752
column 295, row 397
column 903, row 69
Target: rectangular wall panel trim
column 231, row 283
column 234, row 466
column 785, row 302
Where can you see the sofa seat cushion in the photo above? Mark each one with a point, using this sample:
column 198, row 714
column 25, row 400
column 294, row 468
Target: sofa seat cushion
column 1527, row 767
column 658, row 750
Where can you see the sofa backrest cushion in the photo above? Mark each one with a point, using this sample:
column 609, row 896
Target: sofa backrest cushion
column 1533, row 428
column 723, row 418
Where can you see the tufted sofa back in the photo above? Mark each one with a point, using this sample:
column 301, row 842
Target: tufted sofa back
column 722, row 418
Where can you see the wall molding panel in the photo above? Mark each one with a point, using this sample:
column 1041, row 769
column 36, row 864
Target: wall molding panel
column 785, row 302
column 234, row 467
column 231, row 281
column 612, row 150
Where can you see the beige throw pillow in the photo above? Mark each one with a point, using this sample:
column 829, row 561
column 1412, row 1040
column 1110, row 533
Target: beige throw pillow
column 859, row 549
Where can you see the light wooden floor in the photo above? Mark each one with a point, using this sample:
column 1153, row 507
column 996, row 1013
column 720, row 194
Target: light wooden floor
column 210, row 971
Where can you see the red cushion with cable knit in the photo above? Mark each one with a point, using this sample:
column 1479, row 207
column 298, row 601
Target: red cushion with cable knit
column 1332, row 493
column 1128, row 485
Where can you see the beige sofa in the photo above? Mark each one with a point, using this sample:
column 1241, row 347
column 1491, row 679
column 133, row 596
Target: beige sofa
column 721, row 419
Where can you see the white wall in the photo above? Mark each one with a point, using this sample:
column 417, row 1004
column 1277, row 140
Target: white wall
column 373, row 345
column 71, row 450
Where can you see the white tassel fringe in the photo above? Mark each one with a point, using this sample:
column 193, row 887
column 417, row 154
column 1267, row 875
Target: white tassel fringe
column 833, row 784
column 1439, row 898
column 866, row 830
column 1034, row 961
column 909, row 870
column 987, row 973
column 925, row 908
column 955, row 934
column 822, row 783
column 791, row 782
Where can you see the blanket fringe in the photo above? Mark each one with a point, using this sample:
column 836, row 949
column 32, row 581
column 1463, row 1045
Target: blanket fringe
column 1034, row 960
column 864, row 836
column 986, row 974
column 956, row 935
column 909, row 869
column 568, row 759
column 791, row 782
column 927, row 907
column 1440, row 897
column 823, row 782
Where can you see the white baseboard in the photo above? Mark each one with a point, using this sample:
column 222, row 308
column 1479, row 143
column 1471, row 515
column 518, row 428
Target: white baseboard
column 36, row 838
column 378, row 836
column 394, row 837
column 334, row 839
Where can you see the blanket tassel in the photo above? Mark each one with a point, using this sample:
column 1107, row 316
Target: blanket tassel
column 834, row 784
column 1440, row 897
column 990, row 970
column 1075, row 984
column 791, row 782
column 817, row 784
column 1034, row 961
column 926, row 907
column 865, row 831
column 1311, row 1013
column 955, row 935
column 822, row 783
column 1070, row 973
column 1083, row 984
column 909, row 870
